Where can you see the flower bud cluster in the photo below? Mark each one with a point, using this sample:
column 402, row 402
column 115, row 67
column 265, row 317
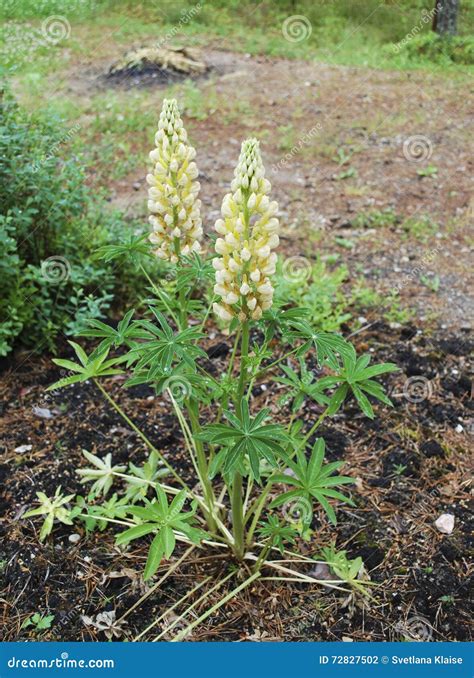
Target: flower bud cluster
column 248, row 233
column 173, row 202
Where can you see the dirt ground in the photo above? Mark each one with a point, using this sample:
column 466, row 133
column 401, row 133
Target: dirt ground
column 424, row 577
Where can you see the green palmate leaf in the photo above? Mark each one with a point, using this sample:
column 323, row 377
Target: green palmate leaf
column 142, row 478
column 89, row 367
column 162, row 346
column 329, row 347
column 112, row 508
column 53, row 509
column 355, row 376
column 194, row 272
column 277, row 320
column 249, row 439
column 277, row 533
column 163, row 520
column 102, row 476
column 301, row 386
column 312, row 480
column 124, row 333
column 134, row 249
column 344, row 568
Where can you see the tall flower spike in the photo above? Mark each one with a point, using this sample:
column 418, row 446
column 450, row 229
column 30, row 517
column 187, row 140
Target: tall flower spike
column 173, row 203
column 248, row 231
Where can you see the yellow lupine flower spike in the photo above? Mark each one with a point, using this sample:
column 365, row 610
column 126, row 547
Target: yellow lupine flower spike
column 173, row 202
column 249, row 232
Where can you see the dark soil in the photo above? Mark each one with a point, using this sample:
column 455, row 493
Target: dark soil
column 411, row 465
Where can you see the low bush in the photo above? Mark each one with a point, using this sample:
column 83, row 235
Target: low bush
column 440, row 50
column 50, row 227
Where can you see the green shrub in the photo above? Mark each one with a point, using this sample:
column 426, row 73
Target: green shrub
column 49, row 230
column 430, row 46
column 316, row 287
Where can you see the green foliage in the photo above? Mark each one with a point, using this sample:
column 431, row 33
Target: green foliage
column 161, row 519
column 162, row 346
column 247, row 438
column 41, row 622
column 356, row 376
column 300, row 387
column 102, row 476
column 375, row 219
column 96, row 516
column 429, row 171
column 141, row 478
column 365, row 32
column 431, row 282
column 53, row 509
column 441, row 50
column 318, row 289
column 277, row 533
column 313, row 480
column 344, row 568
column 88, row 367
column 422, row 227
column 50, row 282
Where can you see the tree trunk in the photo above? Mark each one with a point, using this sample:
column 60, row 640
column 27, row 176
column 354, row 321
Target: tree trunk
column 445, row 17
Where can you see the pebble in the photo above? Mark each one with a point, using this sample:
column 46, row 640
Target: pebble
column 459, row 428
column 445, row 523
column 23, row 448
column 42, row 412
column 74, row 538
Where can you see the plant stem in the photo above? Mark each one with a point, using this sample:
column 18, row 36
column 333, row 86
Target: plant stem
column 236, row 498
column 157, row 291
column 257, row 512
column 192, row 407
column 182, row 634
column 148, row 442
column 314, row 427
column 244, row 351
column 258, row 507
column 238, row 516
column 183, row 315
column 276, row 362
column 261, row 558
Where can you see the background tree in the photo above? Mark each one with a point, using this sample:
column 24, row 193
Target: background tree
column 445, row 17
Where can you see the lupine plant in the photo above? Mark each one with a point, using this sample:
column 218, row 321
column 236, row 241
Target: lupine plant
column 262, row 481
